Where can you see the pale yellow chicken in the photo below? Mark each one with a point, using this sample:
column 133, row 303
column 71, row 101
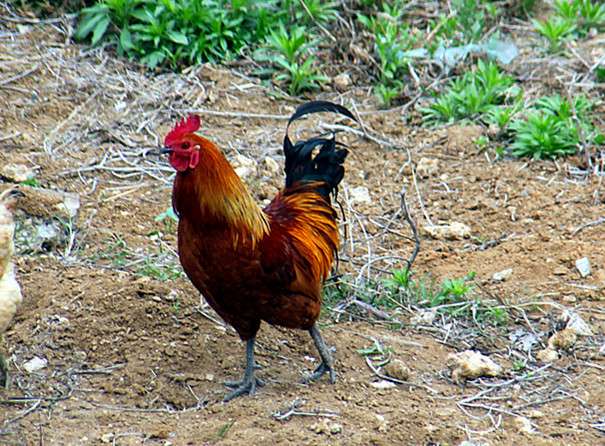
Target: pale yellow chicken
column 10, row 291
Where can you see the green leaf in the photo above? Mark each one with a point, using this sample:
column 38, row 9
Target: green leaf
column 178, row 37
column 100, row 29
column 126, row 40
column 90, row 19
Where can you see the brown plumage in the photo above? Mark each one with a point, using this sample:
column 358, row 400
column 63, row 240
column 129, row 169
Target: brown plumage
column 256, row 265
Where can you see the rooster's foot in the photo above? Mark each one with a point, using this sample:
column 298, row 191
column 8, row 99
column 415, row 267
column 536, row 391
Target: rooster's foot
column 242, row 386
column 250, row 381
column 321, row 371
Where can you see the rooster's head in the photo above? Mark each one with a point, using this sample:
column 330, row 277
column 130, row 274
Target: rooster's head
column 183, row 145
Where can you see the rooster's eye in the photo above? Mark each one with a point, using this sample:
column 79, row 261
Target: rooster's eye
column 185, row 146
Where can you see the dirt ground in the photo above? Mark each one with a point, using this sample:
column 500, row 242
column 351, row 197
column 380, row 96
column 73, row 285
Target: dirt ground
column 113, row 346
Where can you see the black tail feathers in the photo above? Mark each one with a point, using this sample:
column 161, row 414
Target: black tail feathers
column 325, row 167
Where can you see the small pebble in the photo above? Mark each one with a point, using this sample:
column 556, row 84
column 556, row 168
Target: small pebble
column 547, row 355
column 35, row 364
column 384, row 384
column 397, row 369
column 502, row 275
column 583, row 266
column 563, row 340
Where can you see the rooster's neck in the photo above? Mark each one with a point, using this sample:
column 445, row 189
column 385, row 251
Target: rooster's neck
column 213, row 194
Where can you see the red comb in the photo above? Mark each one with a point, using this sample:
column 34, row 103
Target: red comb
column 181, row 129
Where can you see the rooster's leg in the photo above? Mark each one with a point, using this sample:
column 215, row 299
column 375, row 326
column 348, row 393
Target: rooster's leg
column 327, row 363
column 250, row 381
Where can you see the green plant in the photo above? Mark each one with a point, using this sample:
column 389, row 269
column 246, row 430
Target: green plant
column 471, row 18
column 495, row 315
column 151, row 261
column 290, row 51
column 96, row 20
column 393, row 40
column 572, row 16
column 401, row 278
column 555, row 29
column 316, row 11
column 224, row 430
column 593, row 14
column 501, row 116
column 378, row 353
column 473, row 95
column 519, row 365
column 168, row 217
column 459, row 287
column 386, row 93
column 554, row 127
column 567, row 9
column 31, row 181
column 158, row 36
column 481, row 142
column 170, row 31
column 542, row 135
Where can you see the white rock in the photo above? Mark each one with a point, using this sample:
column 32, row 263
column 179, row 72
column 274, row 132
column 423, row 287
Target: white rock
column 470, row 364
column 243, row 165
column 502, row 275
column 451, row 231
column 424, row 316
column 35, row 364
column 360, row 194
column 16, row 173
column 326, row 426
column 524, row 425
column 172, row 296
column 271, row 165
column 460, row 230
column 107, row 438
column 583, row 266
column 563, row 340
column 342, row 81
column 427, row 167
column 71, row 203
column 576, row 323
column 547, row 355
column 47, row 231
column 397, row 369
column 384, row 384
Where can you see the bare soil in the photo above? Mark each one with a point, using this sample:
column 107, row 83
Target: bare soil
column 133, row 355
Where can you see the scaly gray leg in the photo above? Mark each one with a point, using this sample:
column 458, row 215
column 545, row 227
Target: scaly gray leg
column 327, row 363
column 250, row 381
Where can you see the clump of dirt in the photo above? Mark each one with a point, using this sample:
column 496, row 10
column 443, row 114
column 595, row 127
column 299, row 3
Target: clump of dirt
column 113, row 345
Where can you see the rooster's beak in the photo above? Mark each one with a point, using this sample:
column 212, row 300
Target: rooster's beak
column 166, row 150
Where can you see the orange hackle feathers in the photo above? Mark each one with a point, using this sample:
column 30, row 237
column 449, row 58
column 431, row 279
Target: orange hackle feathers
column 221, row 195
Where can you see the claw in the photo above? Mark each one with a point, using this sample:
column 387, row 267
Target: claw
column 246, row 385
column 319, row 372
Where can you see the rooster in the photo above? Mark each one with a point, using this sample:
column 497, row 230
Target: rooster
column 254, row 265
column 10, row 291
